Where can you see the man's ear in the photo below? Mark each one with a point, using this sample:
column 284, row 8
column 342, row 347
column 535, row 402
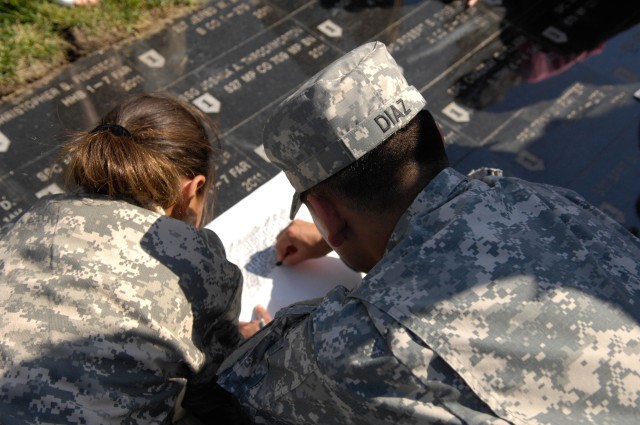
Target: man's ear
column 331, row 220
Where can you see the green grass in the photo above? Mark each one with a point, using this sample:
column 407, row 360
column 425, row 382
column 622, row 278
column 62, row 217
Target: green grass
column 34, row 34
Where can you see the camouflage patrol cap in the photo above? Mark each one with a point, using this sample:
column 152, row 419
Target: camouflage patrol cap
column 338, row 115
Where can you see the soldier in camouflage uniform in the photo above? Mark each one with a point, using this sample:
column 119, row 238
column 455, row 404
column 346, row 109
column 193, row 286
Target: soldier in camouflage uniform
column 112, row 300
column 487, row 300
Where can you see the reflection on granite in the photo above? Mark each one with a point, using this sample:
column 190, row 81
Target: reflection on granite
column 547, row 90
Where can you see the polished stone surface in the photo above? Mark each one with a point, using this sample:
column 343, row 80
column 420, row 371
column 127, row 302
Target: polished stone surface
column 546, row 90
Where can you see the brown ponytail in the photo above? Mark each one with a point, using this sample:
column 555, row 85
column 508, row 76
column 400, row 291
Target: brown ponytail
column 141, row 149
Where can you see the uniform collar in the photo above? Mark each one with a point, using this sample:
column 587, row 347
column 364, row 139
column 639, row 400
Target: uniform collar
column 439, row 190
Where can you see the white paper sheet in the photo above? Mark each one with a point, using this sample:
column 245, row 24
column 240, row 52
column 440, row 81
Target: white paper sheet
column 248, row 231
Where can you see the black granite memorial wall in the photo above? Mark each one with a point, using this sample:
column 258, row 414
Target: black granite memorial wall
column 546, row 90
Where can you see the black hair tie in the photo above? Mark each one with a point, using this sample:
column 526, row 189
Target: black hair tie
column 115, row 129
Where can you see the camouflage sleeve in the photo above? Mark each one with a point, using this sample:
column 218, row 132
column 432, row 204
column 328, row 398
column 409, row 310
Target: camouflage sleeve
column 211, row 283
column 219, row 334
column 341, row 361
column 218, row 327
column 267, row 365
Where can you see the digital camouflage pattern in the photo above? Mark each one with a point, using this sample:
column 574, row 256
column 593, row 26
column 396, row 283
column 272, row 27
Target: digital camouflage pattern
column 497, row 301
column 338, row 115
column 108, row 310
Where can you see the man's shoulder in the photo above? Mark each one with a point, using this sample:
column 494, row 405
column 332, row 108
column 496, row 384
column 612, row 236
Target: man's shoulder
column 340, row 325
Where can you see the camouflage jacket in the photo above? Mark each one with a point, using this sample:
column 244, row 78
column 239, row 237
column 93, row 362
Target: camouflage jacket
column 108, row 310
column 498, row 301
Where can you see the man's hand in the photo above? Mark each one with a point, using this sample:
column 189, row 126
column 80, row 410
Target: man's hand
column 247, row 329
column 300, row 241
